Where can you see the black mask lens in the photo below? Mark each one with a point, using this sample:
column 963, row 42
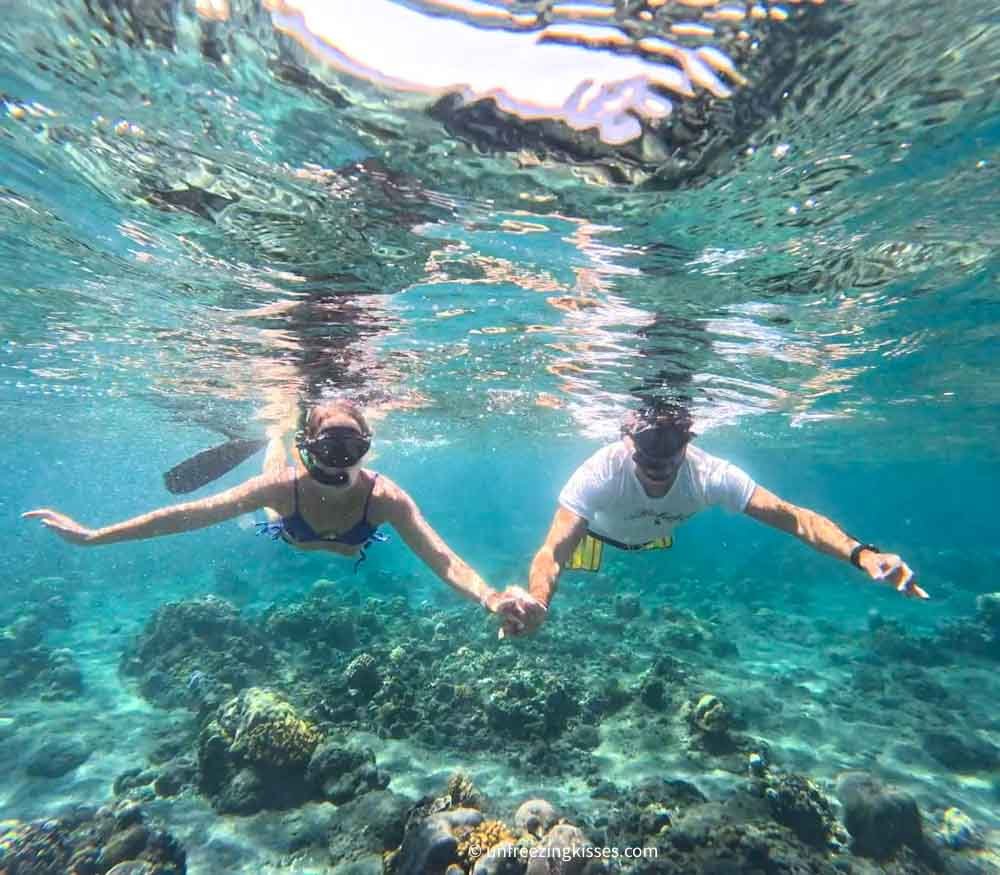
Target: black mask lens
column 338, row 450
column 658, row 444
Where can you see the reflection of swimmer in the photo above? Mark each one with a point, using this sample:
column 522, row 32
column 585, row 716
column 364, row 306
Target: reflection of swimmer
column 325, row 500
column 632, row 494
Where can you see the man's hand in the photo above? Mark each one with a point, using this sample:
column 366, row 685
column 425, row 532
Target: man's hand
column 521, row 612
column 65, row 527
column 890, row 568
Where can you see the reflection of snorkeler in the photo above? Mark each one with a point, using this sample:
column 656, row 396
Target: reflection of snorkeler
column 325, row 500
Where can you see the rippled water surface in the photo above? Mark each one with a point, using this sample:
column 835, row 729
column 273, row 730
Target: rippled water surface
column 201, row 212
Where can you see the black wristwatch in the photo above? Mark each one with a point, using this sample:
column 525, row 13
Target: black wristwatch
column 857, row 551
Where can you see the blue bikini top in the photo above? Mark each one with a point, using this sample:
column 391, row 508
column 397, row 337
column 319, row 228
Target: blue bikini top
column 295, row 529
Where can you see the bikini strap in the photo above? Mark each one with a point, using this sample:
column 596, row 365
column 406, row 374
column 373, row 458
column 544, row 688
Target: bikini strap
column 295, row 491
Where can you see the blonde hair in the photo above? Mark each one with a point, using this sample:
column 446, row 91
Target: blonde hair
column 317, row 416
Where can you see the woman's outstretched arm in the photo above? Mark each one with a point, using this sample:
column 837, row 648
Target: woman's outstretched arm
column 248, row 496
column 406, row 518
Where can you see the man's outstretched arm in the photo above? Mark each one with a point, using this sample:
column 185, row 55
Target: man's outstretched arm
column 566, row 531
column 523, row 611
column 826, row 536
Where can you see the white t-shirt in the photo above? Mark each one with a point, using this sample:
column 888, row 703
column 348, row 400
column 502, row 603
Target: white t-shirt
column 605, row 491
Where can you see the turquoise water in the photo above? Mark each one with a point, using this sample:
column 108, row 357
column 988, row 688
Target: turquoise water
column 208, row 222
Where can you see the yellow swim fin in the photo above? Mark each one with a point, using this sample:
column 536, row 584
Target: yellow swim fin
column 587, row 555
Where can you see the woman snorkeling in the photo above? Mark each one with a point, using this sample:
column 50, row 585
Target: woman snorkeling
column 324, row 500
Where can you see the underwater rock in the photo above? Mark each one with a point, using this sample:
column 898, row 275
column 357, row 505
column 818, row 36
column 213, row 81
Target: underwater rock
column 710, row 715
column 653, row 692
column 867, row 679
column 196, row 649
column 648, row 810
column 881, row 820
column 175, row 775
column 92, row 842
column 255, row 751
column 968, row 636
column 57, row 756
column 735, row 836
column 63, row 679
column 134, row 783
column 893, row 643
column 799, row 804
column 988, row 610
column 244, row 793
column 605, row 698
column 125, row 845
column 313, row 621
column 583, row 736
column 529, row 704
column 24, row 633
column 681, row 629
column 504, row 858
column 266, row 729
column 368, row 827
column 535, row 816
column 628, row 606
column 562, row 849
column 340, row 774
column 51, row 675
column 669, row 668
column 431, row 843
column 709, row 724
column 362, row 674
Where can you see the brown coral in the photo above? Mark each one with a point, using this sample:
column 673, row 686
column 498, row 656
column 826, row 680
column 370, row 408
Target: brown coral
column 285, row 741
column 710, row 715
column 266, row 729
column 462, row 792
column 478, row 840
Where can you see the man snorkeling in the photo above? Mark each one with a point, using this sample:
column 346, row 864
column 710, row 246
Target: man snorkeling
column 632, row 494
column 324, row 500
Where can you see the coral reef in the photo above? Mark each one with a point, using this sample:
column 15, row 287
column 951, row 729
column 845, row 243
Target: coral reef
column 535, row 816
column 799, row 804
column 339, row 664
column 196, row 653
column 258, row 752
column 266, row 730
column 480, row 840
column 254, row 750
column 89, row 842
column 29, row 668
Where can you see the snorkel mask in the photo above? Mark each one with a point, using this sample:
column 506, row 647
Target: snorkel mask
column 659, row 440
column 338, row 447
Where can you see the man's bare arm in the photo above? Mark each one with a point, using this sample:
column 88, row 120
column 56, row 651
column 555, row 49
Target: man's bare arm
column 824, row 535
column 566, row 531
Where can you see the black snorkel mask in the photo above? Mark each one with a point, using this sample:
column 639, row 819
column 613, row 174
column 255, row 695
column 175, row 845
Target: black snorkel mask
column 333, row 448
column 659, row 448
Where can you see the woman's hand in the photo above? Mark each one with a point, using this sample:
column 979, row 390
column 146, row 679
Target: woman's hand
column 65, row 527
column 521, row 612
column 891, row 569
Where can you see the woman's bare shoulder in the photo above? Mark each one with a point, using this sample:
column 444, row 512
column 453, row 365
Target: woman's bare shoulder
column 389, row 499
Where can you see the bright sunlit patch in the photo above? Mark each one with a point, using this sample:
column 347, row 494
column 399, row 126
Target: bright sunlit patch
column 565, row 70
